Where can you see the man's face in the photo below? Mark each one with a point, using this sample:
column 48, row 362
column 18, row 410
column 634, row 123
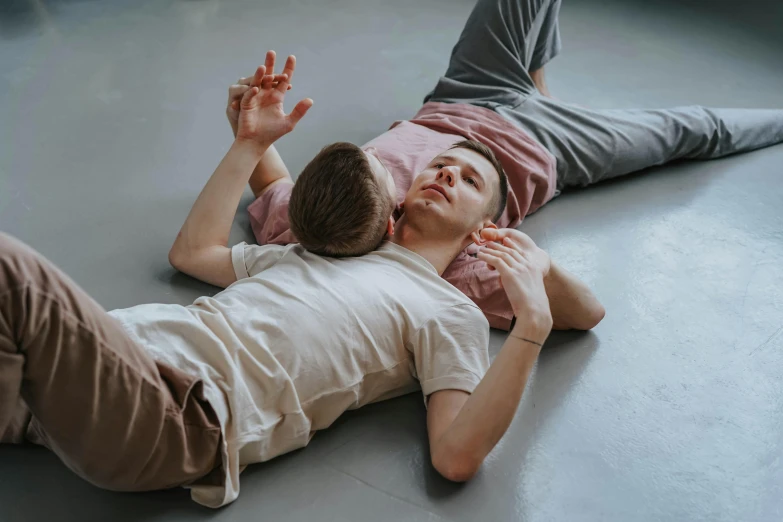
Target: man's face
column 382, row 174
column 454, row 192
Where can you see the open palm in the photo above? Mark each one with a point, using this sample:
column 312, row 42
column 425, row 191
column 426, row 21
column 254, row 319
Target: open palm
column 262, row 118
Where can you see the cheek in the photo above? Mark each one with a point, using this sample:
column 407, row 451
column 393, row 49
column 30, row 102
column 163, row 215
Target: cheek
column 476, row 200
column 473, row 207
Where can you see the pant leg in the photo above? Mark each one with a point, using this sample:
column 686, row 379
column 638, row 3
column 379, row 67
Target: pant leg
column 111, row 413
column 502, row 41
column 18, row 423
column 548, row 43
column 594, row 145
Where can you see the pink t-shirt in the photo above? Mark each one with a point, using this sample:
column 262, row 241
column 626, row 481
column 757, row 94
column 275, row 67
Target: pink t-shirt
column 406, row 149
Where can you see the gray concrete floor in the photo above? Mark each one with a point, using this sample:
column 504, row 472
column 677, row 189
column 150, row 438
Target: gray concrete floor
column 111, row 120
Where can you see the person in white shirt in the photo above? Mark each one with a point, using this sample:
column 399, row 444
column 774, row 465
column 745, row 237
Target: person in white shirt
column 157, row 395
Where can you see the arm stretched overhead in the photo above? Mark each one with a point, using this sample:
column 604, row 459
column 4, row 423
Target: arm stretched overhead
column 201, row 248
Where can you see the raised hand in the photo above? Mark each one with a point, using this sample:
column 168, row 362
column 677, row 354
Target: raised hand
column 255, row 105
column 237, row 90
column 522, row 267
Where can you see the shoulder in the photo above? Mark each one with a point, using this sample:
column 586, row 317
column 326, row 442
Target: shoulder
column 465, row 310
column 249, row 260
column 457, row 320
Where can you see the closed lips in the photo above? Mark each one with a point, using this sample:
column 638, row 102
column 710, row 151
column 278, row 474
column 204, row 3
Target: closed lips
column 439, row 189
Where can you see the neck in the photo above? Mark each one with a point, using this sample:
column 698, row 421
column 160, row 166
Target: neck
column 439, row 252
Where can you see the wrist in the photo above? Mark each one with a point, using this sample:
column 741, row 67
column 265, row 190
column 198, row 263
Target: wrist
column 535, row 327
column 249, row 147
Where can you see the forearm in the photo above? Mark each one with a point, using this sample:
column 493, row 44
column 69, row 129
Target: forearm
column 209, row 221
column 573, row 304
column 269, row 169
column 488, row 412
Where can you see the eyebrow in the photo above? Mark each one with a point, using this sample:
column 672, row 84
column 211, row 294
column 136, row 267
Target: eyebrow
column 468, row 165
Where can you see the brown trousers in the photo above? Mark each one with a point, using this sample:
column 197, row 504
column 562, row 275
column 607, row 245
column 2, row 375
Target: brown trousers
column 112, row 414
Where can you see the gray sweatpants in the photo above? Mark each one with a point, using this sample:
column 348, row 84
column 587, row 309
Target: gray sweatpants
column 503, row 40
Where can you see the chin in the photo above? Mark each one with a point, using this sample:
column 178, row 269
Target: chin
column 431, row 216
column 427, row 206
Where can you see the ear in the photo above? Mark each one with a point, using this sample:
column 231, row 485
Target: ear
column 390, row 226
column 476, row 235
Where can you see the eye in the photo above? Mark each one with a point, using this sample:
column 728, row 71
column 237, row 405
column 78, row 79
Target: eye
column 440, row 165
column 472, row 181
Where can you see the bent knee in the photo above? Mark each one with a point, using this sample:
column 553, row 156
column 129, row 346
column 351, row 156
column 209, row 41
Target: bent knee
column 19, row 263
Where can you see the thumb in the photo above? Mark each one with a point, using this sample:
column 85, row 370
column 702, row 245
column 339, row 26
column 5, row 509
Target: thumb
column 300, row 110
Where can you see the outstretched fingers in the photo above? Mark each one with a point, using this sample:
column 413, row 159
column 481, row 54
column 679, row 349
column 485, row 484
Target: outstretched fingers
column 288, row 71
column 270, row 62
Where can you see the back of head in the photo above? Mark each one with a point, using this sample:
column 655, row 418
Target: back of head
column 337, row 207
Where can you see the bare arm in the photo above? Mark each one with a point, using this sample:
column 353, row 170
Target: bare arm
column 269, row 172
column 200, row 249
column 573, row 304
column 463, row 428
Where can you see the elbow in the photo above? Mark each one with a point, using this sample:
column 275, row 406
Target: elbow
column 176, row 259
column 598, row 314
column 455, row 467
column 594, row 316
column 586, row 320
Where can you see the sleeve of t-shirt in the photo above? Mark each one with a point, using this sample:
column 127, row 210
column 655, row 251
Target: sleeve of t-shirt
column 482, row 285
column 249, row 260
column 269, row 216
column 451, row 350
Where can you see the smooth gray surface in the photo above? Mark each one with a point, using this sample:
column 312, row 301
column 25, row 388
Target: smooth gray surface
column 111, row 120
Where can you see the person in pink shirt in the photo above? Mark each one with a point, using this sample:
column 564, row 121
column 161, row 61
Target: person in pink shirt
column 494, row 92
column 405, row 150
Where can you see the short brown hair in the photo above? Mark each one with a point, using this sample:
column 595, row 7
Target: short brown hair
column 498, row 204
column 337, row 207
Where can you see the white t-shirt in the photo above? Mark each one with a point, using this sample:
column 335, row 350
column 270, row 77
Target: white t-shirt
column 299, row 339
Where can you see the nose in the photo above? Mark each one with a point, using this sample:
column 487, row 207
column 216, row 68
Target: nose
column 449, row 173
